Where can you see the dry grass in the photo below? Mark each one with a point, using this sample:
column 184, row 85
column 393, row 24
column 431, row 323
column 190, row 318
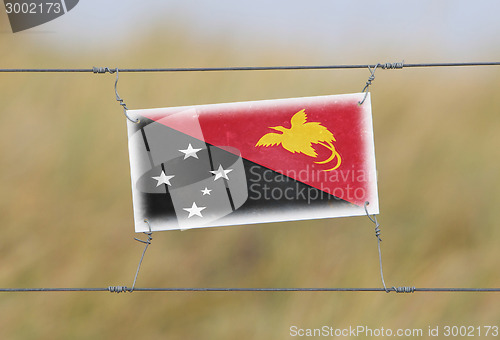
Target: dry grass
column 66, row 214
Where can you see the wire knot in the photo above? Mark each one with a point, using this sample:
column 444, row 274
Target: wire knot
column 148, row 241
column 368, row 82
column 378, row 232
column 103, row 70
column 403, row 289
column 392, row 66
column 118, row 289
column 374, row 220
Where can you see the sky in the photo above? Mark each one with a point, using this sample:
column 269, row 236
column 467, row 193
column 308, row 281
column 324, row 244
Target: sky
column 455, row 30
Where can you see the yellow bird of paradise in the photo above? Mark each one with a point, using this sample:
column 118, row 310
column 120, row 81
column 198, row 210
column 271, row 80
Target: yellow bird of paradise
column 301, row 136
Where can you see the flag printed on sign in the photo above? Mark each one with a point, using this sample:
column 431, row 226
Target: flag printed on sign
column 252, row 162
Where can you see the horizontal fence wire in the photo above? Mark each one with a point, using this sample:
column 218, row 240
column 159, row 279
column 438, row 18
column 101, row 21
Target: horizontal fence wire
column 398, row 65
column 120, row 289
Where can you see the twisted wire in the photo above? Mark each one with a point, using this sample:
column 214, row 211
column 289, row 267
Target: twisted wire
column 392, row 66
column 117, row 289
column 379, row 239
column 368, row 83
column 102, row 70
column 118, row 99
column 147, row 242
column 377, row 234
column 404, row 289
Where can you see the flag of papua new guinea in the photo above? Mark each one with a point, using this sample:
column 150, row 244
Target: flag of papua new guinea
column 252, row 162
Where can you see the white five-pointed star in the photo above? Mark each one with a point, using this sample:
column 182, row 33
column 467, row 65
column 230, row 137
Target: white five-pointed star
column 163, row 179
column 194, row 210
column 190, row 152
column 221, row 173
column 206, row 191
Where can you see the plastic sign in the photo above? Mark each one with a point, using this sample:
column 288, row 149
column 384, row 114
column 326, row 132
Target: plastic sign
column 252, row 162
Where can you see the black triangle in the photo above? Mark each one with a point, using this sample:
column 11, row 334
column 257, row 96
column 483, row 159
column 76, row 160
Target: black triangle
column 268, row 190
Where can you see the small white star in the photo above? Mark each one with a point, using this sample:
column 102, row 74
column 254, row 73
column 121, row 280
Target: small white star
column 194, row 210
column 206, row 191
column 190, row 152
column 221, row 173
column 163, row 179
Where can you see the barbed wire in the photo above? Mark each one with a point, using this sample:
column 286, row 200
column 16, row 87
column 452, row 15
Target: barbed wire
column 397, row 65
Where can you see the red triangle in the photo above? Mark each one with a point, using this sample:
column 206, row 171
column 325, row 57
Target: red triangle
column 241, row 125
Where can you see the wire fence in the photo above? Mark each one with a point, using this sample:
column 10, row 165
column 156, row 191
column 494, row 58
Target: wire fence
column 397, row 65
column 371, row 67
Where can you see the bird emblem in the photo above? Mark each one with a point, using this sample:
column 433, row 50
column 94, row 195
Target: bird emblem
column 300, row 138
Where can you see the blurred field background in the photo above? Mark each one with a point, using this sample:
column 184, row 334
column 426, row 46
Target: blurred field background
column 66, row 210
